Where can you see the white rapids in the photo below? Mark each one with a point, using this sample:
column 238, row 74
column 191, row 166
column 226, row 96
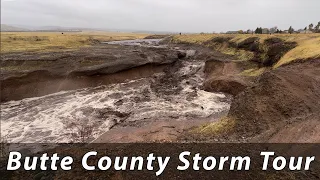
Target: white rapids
column 48, row 119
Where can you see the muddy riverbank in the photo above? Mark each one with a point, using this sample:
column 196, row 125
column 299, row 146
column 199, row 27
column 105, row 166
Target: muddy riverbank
column 32, row 74
column 106, row 89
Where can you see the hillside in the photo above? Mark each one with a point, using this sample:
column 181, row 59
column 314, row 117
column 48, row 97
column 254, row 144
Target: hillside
column 7, row 28
column 274, row 80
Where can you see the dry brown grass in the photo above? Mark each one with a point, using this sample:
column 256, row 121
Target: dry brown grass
column 308, row 45
column 253, row 72
column 220, row 127
column 47, row 41
column 308, row 48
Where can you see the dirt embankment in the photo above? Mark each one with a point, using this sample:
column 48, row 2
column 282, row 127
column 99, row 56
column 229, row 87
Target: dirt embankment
column 224, row 76
column 282, row 101
column 276, row 105
column 281, row 106
column 232, row 75
column 32, row 74
column 266, row 53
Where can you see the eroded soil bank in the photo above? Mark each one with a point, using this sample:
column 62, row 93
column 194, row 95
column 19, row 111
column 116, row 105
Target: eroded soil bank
column 280, row 105
column 283, row 106
column 134, row 89
column 32, row 74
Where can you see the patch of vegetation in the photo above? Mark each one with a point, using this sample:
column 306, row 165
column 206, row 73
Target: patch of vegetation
column 253, row 72
column 220, row 127
column 306, row 49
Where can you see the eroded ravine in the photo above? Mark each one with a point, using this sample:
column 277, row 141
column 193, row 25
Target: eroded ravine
column 174, row 94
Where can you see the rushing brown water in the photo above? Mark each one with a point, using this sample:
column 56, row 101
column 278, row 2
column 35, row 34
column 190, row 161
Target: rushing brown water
column 172, row 94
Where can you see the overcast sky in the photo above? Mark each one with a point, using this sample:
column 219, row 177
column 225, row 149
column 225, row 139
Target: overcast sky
column 162, row 15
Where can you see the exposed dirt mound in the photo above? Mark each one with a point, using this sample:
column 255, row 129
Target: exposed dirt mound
column 275, row 49
column 285, row 97
column 266, row 54
column 251, row 44
column 223, row 76
column 281, row 107
column 227, row 85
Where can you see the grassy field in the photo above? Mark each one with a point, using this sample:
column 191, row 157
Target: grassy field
column 308, row 45
column 46, row 41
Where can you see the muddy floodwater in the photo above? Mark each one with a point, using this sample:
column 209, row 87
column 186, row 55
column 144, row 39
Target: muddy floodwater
column 138, row 42
column 174, row 94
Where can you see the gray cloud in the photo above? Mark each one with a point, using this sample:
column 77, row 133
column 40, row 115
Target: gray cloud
column 162, row 15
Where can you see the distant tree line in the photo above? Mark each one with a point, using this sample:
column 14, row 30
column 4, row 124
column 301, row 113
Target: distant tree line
column 309, row 28
column 260, row 30
column 315, row 29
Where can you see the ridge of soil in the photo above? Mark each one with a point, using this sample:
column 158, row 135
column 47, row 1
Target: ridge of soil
column 30, row 74
column 282, row 106
column 282, row 100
